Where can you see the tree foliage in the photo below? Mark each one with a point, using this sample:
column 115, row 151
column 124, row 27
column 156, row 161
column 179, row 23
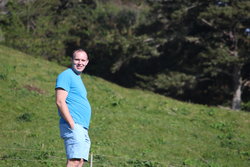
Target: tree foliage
column 192, row 50
column 207, row 41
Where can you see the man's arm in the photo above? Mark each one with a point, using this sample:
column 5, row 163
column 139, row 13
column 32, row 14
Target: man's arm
column 61, row 96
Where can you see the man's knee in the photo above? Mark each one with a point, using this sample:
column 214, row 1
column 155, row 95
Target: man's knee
column 75, row 163
column 81, row 163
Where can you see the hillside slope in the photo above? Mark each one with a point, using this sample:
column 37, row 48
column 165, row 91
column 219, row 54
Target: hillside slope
column 129, row 127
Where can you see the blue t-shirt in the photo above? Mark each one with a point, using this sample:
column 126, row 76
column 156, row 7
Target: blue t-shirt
column 77, row 101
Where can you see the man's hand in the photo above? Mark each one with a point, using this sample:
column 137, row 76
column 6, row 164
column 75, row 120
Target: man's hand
column 61, row 96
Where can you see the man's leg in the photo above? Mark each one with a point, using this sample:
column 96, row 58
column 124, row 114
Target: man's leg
column 75, row 163
column 77, row 144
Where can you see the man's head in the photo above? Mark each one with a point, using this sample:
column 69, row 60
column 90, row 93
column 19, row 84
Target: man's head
column 79, row 60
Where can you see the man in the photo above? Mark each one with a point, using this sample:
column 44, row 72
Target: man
column 74, row 110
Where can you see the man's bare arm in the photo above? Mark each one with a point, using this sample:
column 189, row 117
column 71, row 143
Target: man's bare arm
column 61, row 96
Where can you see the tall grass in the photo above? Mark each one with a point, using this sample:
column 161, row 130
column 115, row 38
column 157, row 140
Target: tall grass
column 129, row 127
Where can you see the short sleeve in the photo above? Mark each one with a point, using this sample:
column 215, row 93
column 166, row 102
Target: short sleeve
column 63, row 81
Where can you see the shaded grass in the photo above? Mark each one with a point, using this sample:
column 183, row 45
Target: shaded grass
column 129, row 127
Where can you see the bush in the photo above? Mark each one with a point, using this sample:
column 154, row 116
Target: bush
column 245, row 106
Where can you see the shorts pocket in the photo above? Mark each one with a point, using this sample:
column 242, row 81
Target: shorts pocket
column 66, row 131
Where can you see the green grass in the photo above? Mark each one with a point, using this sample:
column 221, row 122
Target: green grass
column 129, row 127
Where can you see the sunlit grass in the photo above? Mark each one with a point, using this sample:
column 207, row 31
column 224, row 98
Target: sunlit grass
column 129, row 127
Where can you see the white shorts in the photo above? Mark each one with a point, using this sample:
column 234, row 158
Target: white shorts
column 76, row 141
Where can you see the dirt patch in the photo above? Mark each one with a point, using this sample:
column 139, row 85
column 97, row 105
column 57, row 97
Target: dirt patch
column 35, row 89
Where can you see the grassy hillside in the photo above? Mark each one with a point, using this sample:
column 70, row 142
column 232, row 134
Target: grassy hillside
column 129, row 128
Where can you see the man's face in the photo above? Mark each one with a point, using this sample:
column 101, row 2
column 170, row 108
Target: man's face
column 80, row 61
